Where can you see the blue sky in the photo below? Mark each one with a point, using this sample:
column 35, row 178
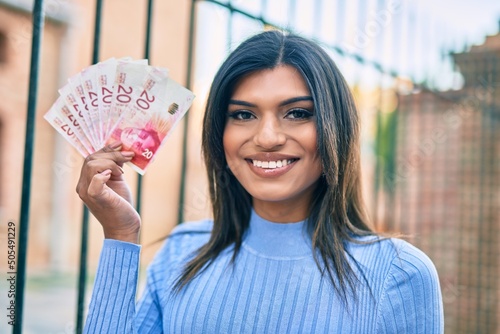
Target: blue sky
column 471, row 19
column 410, row 37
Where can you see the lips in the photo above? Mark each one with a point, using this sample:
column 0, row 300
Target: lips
column 271, row 164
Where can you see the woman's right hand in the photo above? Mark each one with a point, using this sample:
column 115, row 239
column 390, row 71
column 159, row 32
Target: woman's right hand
column 103, row 189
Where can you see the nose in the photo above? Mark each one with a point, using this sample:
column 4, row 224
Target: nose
column 269, row 134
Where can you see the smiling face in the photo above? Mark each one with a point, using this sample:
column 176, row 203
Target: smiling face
column 270, row 142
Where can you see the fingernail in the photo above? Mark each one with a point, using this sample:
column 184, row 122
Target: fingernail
column 121, row 170
column 128, row 154
column 115, row 145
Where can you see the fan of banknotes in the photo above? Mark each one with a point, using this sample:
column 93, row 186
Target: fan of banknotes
column 120, row 100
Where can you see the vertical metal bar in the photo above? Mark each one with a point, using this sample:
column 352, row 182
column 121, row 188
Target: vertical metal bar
column 147, row 49
column 22, row 245
column 97, row 31
column 182, row 188
column 147, row 42
column 82, row 270
column 85, row 219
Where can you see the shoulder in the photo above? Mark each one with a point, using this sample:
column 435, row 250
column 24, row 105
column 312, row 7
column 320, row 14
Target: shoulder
column 413, row 274
column 182, row 243
column 394, row 267
column 392, row 256
column 411, row 300
column 188, row 236
column 410, row 263
column 192, row 228
column 405, row 284
column 410, row 260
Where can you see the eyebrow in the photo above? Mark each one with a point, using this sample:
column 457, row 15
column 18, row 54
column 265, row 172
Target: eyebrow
column 283, row 103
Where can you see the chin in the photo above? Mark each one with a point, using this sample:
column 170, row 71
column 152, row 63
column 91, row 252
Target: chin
column 273, row 196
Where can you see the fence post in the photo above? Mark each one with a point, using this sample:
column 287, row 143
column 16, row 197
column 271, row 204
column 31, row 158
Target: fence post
column 147, row 49
column 22, row 245
column 85, row 219
column 182, row 188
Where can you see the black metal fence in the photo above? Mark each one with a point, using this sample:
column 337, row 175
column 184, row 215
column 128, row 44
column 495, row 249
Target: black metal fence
column 436, row 169
column 38, row 18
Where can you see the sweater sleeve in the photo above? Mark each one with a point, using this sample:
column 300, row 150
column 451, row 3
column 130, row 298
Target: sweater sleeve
column 112, row 306
column 411, row 300
column 149, row 313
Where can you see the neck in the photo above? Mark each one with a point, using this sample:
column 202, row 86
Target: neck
column 291, row 210
column 285, row 241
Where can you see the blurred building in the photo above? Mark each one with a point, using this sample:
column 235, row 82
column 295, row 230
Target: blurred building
column 56, row 210
column 444, row 187
column 15, row 50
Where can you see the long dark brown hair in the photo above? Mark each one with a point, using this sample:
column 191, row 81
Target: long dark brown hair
column 337, row 213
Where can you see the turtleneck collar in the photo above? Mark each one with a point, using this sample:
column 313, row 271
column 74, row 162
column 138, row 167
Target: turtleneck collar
column 277, row 240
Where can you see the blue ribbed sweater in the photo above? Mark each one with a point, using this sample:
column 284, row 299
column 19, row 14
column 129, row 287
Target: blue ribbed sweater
column 274, row 287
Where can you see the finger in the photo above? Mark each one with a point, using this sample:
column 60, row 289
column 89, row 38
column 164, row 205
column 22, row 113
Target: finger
column 127, row 155
column 119, row 157
column 97, row 166
column 97, row 184
column 116, row 145
column 94, row 165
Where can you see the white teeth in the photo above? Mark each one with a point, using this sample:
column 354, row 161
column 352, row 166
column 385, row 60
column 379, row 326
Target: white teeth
column 272, row 164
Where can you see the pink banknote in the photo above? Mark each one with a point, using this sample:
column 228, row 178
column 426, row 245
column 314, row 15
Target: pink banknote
column 120, row 99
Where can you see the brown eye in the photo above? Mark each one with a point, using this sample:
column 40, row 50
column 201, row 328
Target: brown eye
column 241, row 115
column 298, row 113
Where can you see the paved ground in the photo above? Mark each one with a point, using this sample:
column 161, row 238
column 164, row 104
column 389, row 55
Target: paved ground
column 50, row 305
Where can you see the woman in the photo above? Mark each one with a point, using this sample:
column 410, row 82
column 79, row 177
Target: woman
column 289, row 249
